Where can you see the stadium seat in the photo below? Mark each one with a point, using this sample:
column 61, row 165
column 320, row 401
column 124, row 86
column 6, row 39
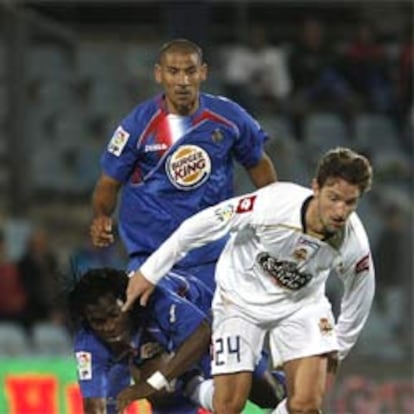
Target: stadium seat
column 323, row 131
column 291, row 162
column 277, row 126
column 13, row 340
column 50, row 339
column 373, row 133
column 57, row 66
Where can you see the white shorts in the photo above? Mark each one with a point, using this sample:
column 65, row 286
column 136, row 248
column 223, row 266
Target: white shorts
column 309, row 331
column 238, row 340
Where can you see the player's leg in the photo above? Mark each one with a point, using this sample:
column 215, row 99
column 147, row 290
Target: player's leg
column 237, row 344
column 306, row 378
column 302, row 342
column 268, row 387
column 231, row 392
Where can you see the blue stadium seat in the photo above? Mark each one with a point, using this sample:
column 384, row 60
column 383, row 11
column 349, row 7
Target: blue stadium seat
column 278, row 127
column 50, row 339
column 13, row 340
column 323, row 131
column 374, row 132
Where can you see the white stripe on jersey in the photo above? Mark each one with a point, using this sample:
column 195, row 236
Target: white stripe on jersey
column 178, row 126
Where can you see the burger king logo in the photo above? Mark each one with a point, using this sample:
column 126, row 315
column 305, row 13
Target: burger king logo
column 188, row 167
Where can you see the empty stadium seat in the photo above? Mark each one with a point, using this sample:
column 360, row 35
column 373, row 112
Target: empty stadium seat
column 278, row 127
column 13, row 340
column 323, row 131
column 375, row 132
column 50, row 339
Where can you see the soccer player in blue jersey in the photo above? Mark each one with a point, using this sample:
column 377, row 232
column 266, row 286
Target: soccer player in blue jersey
column 107, row 341
column 157, row 344
column 172, row 156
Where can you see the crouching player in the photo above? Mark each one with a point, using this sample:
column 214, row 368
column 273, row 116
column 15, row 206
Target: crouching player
column 160, row 345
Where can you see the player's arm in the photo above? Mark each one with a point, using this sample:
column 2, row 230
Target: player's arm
column 94, row 405
column 263, row 173
column 204, row 227
column 158, row 382
column 359, row 288
column 190, row 352
column 104, row 200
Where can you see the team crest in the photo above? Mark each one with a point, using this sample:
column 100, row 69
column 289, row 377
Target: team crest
column 325, row 326
column 304, row 249
column 217, row 135
column 300, row 254
column 188, row 167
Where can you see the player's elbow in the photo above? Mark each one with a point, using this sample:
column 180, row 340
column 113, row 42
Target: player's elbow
column 94, row 405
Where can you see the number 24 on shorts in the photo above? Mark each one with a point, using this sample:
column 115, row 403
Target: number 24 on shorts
column 225, row 347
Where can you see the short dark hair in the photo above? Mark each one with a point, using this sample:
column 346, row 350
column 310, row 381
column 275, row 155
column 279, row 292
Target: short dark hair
column 93, row 285
column 346, row 164
column 180, row 45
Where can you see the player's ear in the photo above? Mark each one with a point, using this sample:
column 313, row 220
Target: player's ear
column 157, row 73
column 315, row 186
column 203, row 72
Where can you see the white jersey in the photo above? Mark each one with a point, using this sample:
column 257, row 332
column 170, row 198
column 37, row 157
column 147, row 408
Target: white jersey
column 271, row 267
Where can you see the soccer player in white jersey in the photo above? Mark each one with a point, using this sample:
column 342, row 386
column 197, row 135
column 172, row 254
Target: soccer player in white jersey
column 285, row 240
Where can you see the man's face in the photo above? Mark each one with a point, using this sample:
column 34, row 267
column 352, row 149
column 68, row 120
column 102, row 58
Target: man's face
column 181, row 74
column 107, row 320
column 335, row 201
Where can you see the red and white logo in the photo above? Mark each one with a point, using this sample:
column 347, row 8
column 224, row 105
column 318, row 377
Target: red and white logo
column 362, row 264
column 246, row 204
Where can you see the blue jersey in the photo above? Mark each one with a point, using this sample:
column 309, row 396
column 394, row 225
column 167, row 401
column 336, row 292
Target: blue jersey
column 176, row 308
column 172, row 167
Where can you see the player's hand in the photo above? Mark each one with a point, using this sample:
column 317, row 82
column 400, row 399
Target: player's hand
column 138, row 287
column 132, row 393
column 101, row 231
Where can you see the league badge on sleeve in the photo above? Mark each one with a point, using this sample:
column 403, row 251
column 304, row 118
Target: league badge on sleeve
column 224, row 213
column 118, row 141
column 84, row 365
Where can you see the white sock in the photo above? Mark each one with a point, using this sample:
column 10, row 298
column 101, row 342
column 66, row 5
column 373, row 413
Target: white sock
column 281, row 408
column 202, row 395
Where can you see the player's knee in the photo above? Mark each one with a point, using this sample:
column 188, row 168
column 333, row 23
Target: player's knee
column 305, row 405
column 232, row 404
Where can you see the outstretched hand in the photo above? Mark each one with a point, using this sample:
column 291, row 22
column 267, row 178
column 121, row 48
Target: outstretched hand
column 138, row 288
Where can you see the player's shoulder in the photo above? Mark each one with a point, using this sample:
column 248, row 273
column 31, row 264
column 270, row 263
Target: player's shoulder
column 356, row 235
column 283, row 192
column 277, row 201
column 224, row 106
column 145, row 109
column 140, row 116
column 85, row 341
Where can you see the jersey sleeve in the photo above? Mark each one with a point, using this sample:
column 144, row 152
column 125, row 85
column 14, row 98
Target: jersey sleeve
column 92, row 362
column 120, row 156
column 178, row 318
column 206, row 226
column 249, row 146
column 359, row 288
